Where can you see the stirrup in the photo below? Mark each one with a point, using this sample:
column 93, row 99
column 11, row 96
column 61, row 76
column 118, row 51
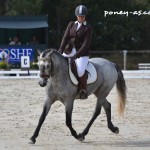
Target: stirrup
column 83, row 94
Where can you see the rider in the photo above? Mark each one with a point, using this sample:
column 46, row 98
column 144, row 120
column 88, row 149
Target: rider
column 76, row 45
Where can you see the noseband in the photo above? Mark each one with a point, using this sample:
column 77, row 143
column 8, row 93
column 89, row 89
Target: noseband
column 44, row 75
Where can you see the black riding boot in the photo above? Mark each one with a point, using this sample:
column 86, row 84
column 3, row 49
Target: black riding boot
column 83, row 86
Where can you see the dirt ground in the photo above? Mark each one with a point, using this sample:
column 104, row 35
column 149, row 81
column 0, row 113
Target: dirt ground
column 21, row 102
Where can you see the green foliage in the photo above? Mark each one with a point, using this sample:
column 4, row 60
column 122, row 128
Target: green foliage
column 2, row 7
column 23, row 7
column 34, row 66
column 3, row 65
column 118, row 32
column 115, row 32
column 133, row 59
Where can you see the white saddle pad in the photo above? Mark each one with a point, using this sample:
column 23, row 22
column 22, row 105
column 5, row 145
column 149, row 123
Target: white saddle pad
column 92, row 75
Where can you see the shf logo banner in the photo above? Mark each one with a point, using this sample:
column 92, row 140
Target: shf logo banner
column 14, row 54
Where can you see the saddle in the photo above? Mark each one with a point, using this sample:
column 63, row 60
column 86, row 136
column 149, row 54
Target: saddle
column 90, row 71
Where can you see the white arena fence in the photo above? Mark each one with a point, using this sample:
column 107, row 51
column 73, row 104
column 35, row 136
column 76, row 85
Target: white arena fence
column 136, row 74
column 20, row 74
column 12, row 74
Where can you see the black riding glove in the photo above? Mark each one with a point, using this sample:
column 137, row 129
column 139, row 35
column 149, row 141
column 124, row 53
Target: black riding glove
column 73, row 58
column 60, row 51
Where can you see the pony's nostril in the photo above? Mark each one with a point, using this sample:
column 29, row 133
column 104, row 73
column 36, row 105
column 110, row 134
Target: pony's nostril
column 42, row 82
column 41, row 75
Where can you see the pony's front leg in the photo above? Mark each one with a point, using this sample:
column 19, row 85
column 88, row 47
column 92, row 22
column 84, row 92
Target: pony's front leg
column 69, row 109
column 46, row 109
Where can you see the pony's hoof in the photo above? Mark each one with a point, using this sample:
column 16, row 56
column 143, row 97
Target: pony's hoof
column 81, row 137
column 116, row 130
column 32, row 141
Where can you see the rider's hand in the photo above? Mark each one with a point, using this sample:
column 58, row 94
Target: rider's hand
column 73, row 58
column 60, row 51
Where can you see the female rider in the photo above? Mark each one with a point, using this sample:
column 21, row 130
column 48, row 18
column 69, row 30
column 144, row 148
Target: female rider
column 76, row 45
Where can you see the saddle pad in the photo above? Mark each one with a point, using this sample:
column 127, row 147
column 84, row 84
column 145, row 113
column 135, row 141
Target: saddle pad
column 92, row 75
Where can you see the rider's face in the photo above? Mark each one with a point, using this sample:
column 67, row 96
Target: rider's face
column 81, row 18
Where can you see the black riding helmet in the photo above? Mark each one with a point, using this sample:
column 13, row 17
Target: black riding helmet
column 81, row 10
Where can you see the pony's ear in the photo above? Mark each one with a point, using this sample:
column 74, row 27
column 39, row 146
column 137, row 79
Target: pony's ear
column 50, row 52
column 39, row 51
column 38, row 58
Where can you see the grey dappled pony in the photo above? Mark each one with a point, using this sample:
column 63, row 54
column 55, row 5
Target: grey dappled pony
column 54, row 75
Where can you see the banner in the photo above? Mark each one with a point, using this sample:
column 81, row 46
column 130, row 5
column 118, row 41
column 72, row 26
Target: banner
column 12, row 54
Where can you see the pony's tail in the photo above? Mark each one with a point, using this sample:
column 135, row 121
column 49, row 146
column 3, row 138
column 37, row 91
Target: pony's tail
column 121, row 90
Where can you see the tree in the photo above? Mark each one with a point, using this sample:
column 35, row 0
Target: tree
column 113, row 32
column 23, row 7
column 110, row 33
column 59, row 12
column 2, row 7
column 117, row 32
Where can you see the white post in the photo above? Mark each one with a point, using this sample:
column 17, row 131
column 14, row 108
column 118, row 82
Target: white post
column 124, row 59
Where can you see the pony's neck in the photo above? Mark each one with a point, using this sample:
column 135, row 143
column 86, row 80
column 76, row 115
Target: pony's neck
column 60, row 64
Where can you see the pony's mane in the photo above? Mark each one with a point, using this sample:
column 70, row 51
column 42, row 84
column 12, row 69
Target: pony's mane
column 45, row 52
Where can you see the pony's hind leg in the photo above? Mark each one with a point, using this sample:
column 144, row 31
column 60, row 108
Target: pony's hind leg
column 107, row 108
column 81, row 136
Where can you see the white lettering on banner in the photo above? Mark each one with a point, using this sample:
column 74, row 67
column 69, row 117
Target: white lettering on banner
column 17, row 53
column 20, row 53
column 13, row 55
column 29, row 51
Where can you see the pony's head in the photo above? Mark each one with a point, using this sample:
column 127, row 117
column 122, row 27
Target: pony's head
column 45, row 66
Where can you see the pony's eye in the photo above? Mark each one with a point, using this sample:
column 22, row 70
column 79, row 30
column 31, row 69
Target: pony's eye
column 42, row 62
column 48, row 66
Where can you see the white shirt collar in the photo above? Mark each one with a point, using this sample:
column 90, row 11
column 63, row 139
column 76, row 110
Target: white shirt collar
column 80, row 23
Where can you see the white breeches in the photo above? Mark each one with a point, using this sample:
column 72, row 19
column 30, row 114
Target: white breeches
column 81, row 62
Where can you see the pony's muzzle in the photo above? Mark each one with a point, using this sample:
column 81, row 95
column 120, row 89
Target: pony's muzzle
column 42, row 82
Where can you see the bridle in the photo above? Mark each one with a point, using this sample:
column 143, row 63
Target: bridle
column 51, row 74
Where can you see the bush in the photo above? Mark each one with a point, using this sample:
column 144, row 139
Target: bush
column 34, row 66
column 3, row 65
